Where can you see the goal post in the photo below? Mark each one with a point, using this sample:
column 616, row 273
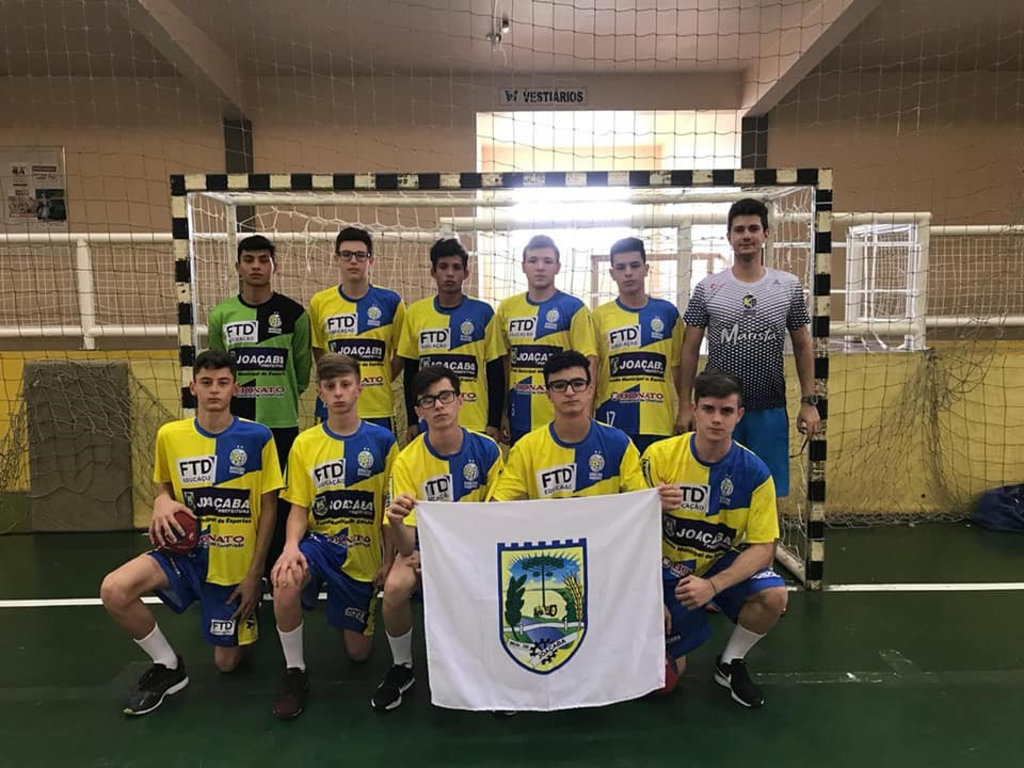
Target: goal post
column 494, row 214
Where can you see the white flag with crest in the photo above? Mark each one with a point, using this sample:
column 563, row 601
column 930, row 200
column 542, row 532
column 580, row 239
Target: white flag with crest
column 542, row 605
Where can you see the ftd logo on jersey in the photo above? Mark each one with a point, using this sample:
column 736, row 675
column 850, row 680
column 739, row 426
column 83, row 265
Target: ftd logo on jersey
column 243, row 332
column 329, row 474
column 626, row 336
column 522, row 327
column 197, row 470
column 439, row 488
column 695, row 497
column 554, row 479
column 435, row 338
column 343, row 325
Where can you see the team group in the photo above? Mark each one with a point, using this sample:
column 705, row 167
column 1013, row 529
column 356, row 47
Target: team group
column 590, row 403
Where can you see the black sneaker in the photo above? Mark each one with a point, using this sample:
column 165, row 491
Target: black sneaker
column 735, row 677
column 397, row 681
column 154, row 686
column 291, row 698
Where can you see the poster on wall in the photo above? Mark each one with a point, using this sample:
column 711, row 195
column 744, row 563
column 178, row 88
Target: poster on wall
column 34, row 189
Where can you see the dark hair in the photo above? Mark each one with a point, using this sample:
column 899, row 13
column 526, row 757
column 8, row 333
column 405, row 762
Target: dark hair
column 354, row 234
column 256, row 243
column 448, row 247
column 432, row 374
column 212, row 360
column 748, row 206
column 334, row 364
column 567, row 358
column 718, row 385
column 542, row 241
column 628, row 245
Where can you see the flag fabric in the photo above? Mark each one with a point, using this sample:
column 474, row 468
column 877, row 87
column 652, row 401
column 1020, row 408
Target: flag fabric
column 543, row 605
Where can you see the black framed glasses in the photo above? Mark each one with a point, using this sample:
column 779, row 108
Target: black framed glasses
column 429, row 401
column 354, row 255
column 561, row 385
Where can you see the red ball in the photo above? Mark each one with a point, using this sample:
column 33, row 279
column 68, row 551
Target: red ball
column 671, row 677
column 188, row 542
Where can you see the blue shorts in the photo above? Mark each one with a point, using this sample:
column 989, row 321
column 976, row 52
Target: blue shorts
column 643, row 442
column 766, row 433
column 186, row 577
column 351, row 604
column 691, row 628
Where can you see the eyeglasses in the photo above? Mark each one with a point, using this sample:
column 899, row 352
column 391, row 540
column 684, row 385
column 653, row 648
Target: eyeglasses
column 561, row 385
column 429, row 401
column 357, row 255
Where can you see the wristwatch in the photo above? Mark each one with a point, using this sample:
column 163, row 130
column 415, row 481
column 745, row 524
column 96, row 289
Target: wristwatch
column 809, row 400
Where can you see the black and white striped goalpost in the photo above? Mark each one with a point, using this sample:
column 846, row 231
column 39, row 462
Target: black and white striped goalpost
column 809, row 565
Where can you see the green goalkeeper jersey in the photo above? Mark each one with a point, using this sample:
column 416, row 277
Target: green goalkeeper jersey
column 270, row 346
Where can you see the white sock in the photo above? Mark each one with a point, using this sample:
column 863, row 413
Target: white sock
column 740, row 643
column 291, row 644
column 159, row 650
column 401, row 648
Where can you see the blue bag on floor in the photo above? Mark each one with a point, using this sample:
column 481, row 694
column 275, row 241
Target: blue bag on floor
column 1001, row 509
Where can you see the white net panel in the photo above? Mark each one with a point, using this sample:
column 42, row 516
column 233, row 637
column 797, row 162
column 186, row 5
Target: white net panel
column 927, row 380
column 70, row 435
column 976, row 273
column 683, row 227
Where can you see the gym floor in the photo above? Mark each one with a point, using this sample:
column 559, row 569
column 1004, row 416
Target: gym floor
column 920, row 662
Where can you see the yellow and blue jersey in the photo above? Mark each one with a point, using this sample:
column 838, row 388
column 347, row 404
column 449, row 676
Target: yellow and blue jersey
column 540, row 466
column 638, row 350
column 221, row 478
column 342, row 481
column 461, row 338
column 530, row 333
column 725, row 504
column 427, row 475
column 367, row 329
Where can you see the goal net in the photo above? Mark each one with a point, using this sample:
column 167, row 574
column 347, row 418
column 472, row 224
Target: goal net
column 916, row 105
column 85, row 383
column 494, row 215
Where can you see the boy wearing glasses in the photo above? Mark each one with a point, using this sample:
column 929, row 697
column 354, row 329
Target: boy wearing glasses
column 363, row 321
column 573, row 455
column 446, row 463
column 638, row 342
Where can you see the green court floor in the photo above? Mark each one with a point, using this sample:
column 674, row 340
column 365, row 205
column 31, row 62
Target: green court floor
column 915, row 678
